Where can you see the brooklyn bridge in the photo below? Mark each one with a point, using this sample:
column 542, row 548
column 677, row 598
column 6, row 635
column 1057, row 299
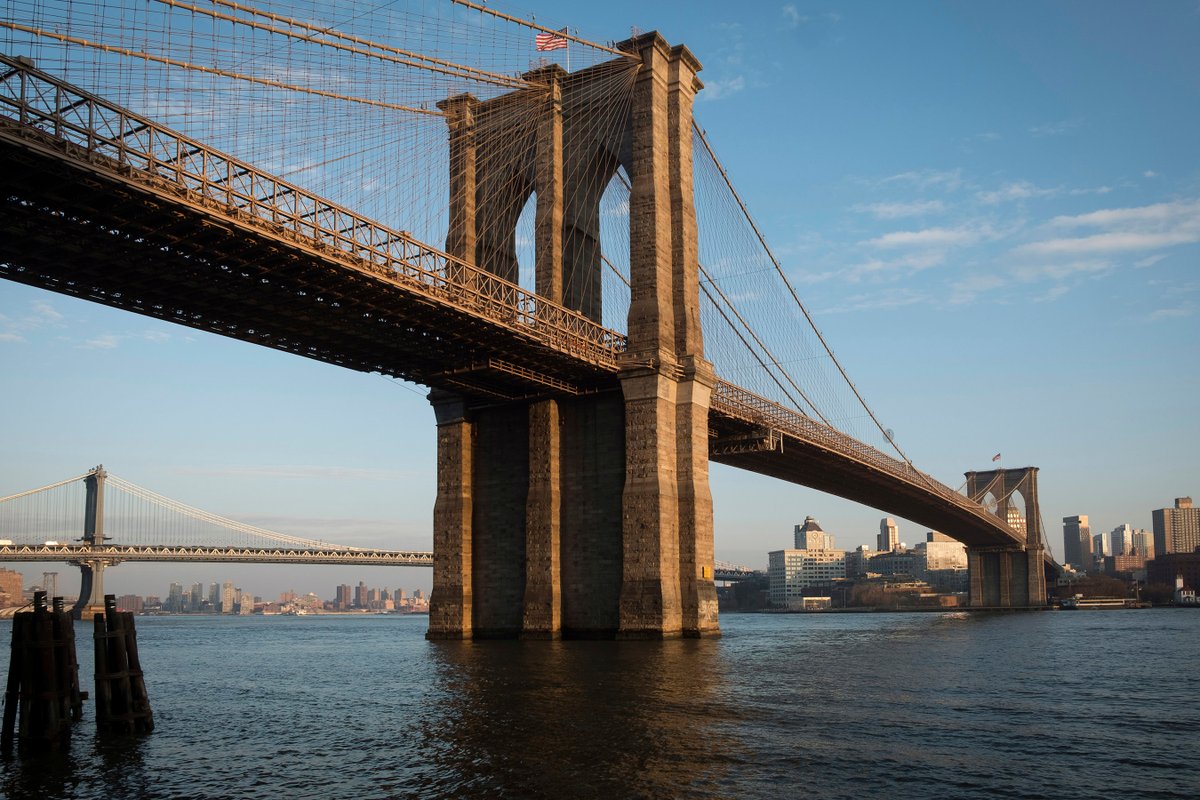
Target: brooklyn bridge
column 554, row 250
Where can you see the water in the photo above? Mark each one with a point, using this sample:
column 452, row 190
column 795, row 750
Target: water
column 1053, row 705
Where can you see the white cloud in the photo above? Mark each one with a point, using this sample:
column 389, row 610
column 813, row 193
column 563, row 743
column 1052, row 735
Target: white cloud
column 1058, row 272
column 1149, row 261
column 1123, row 230
column 1055, row 128
column 898, row 210
column 1052, row 294
column 1149, row 174
column 792, row 16
column 9, row 336
column 720, row 89
column 1018, row 190
column 949, row 180
column 969, row 288
column 106, row 341
column 896, row 297
column 45, row 312
column 929, row 237
column 1170, row 313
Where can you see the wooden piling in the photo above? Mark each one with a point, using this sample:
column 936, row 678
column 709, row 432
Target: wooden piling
column 121, row 702
column 42, row 692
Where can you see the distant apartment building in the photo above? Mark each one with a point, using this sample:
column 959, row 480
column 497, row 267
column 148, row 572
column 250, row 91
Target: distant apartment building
column 130, row 602
column 893, row 563
column 816, row 562
column 939, row 552
column 1099, row 551
column 792, row 571
column 810, row 536
column 1077, row 542
column 858, row 560
column 344, row 598
column 1143, row 543
column 228, row 598
column 1176, row 530
column 889, row 536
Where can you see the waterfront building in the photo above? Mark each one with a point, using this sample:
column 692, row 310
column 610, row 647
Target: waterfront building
column 343, row 597
column 197, row 596
column 939, row 552
column 360, row 595
column 214, row 597
column 1167, row 566
column 791, row 571
column 889, row 536
column 131, row 602
column 1077, row 541
column 810, row 536
column 245, row 603
column 1176, row 530
column 858, row 561
column 899, row 562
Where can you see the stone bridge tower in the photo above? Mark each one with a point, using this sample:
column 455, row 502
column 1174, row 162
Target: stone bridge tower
column 586, row 516
column 1003, row 577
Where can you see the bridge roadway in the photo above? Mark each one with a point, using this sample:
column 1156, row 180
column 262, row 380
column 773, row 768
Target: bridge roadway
column 103, row 204
column 248, row 555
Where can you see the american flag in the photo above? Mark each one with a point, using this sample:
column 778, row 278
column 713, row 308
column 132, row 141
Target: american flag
column 550, row 41
column 996, row 457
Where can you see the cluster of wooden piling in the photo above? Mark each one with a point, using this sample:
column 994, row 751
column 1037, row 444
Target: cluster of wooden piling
column 43, row 677
column 42, row 697
column 121, row 702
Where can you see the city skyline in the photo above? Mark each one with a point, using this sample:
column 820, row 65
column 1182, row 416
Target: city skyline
column 995, row 223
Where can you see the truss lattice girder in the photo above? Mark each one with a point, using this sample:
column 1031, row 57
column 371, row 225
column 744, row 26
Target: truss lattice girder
column 273, row 555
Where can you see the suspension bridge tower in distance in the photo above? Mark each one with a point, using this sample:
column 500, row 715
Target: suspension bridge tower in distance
column 585, row 515
column 91, row 568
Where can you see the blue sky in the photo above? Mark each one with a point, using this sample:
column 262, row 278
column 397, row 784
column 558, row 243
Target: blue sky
column 992, row 210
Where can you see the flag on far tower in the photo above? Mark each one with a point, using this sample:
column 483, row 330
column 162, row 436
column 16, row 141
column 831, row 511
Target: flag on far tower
column 996, row 457
column 550, row 41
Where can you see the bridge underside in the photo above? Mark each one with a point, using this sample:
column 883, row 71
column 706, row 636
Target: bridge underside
column 81, row 231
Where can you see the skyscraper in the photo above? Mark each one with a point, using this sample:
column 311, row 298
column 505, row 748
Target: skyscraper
column 1077, row 541
column 1122, row 539
column 889, row 535
column 1176, row 530
column 228, row 597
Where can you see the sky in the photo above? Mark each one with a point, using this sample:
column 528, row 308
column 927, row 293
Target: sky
column 992, row 210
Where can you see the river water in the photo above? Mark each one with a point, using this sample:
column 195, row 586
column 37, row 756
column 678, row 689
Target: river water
column 1053, row 705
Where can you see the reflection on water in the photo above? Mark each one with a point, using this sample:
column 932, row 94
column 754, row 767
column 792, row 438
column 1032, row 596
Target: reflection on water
column 1059, row 705
column 618, row 718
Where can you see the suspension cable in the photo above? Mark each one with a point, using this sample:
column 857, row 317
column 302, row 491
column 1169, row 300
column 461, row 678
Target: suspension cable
column 779, row 269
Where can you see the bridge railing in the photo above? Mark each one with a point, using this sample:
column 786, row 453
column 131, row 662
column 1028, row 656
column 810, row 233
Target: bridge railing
column 111, row 137
column 749, row 407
